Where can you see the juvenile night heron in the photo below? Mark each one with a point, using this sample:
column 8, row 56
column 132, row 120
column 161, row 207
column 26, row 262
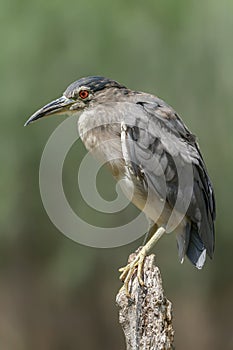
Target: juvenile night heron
column 144, row 142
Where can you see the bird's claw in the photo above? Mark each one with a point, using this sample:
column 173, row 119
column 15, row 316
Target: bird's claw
column 138, row 260
column 128, row 271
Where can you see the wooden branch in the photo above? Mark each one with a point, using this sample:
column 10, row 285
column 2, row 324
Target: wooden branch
column 146, row 317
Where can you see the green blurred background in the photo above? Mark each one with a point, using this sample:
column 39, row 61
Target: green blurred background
column 56, row 294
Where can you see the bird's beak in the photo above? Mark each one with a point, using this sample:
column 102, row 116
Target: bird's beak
column 58, row 106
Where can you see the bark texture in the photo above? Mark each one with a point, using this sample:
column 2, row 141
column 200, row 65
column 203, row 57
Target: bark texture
column 146, row 317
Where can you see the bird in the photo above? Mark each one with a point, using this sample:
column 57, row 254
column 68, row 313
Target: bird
column 145, row 144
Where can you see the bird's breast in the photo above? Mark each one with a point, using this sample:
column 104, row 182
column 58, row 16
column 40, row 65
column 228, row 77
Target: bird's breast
column 105, row 145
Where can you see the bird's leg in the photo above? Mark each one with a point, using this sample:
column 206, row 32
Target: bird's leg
column 128, row 270
column 153, row 227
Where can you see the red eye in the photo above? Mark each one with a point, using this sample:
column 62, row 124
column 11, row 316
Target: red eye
column 83, row 94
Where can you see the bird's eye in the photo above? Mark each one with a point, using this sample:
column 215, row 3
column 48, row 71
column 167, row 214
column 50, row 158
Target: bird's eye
column 83, row 94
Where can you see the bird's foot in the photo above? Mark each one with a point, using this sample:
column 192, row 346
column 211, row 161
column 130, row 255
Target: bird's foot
column 128, row 270
column 137, row 262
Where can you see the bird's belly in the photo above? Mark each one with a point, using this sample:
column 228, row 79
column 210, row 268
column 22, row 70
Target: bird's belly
column 154, row 207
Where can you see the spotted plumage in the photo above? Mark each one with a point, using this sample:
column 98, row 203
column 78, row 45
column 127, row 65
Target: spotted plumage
column 144, row 142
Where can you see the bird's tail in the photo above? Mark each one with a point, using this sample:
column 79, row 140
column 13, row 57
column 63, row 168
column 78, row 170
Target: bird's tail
column 190, row 244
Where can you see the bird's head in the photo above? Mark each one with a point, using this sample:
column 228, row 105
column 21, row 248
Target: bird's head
column 78, row 96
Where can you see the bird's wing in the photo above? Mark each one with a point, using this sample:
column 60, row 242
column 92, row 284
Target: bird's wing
column 152, row 134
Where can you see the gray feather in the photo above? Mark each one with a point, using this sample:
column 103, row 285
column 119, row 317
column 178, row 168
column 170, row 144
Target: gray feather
column 160, row 136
